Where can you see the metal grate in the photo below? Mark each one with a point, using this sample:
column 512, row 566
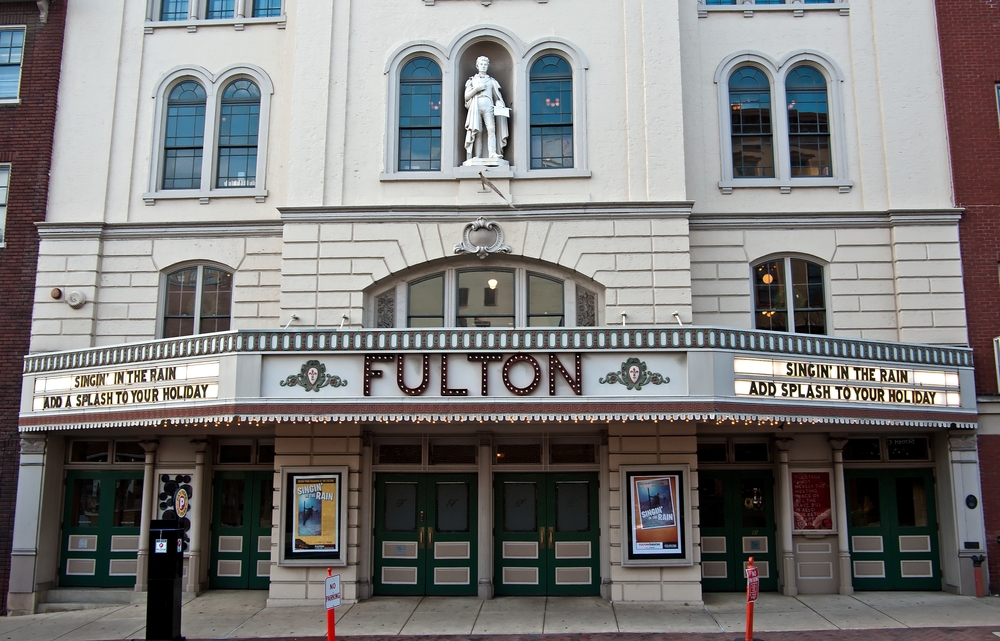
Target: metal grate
column 400, row 454
column 563, row 453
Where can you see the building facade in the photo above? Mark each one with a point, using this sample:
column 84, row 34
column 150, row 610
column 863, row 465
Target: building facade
column 30, row 53
column 475, row 298
column 968, row 60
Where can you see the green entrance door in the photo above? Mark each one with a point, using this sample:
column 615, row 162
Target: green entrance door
column 737, row 522
column 893, row 529
column 425, row 534
column 241, row 530
column 546, row 534
column 101, row 528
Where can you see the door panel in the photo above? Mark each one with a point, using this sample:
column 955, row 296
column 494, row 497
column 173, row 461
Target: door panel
column 241, row 530
column 547, row 532
column 101, row 528
column 736, row 509
column 893, row 529
column 425, row 534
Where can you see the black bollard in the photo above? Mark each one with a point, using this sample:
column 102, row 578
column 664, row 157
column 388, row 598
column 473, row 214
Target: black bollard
column 164, row 576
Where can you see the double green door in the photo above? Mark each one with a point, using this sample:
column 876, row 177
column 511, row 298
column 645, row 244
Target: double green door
column 242, row 509
column 736, row 510
column 101, row 528
column 426, row 534
column 893, row 529
column 546, row 534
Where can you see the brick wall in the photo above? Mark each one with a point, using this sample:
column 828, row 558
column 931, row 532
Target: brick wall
column 25, row 143
column 970, row 60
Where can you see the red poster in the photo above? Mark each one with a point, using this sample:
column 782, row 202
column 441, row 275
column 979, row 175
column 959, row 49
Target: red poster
column 811, row 500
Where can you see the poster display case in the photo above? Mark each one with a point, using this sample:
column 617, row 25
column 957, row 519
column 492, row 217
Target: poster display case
column 314, row 516
column 812, row 501
column 656, row 515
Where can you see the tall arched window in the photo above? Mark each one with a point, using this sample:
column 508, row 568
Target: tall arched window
column 551, row 113
column 197, row 300
column 185, row 136
column 420, row 116
column 239, row 121
column 750, row 115
column 808, row 122
column 774, row 298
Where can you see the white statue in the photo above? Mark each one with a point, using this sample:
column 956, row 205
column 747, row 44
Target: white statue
column 486, row 109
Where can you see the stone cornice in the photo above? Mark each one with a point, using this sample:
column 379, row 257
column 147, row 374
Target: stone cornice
column 213, row 229
column 825, row 220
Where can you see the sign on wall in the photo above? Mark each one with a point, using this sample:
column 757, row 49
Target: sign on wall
column 314, row 516
column 655, row 521
column 812, row 501
column 811, row 381
column 127, row 387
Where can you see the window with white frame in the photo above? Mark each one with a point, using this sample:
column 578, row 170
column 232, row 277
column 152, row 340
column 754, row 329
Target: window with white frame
column 783, row 123
column 11, row 55
column 197, row 299
column 4, row 190
column 551, row 82
column 500, row 297
column 789, row 296
column 188, row 10
column 420, row 116
column 211, row 135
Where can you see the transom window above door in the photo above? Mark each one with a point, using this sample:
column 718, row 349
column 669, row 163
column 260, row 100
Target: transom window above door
column 503, row 297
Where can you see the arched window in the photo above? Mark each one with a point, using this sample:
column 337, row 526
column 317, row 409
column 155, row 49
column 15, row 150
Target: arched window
column 420, row 116
column 750, row 115
column 775, row 297
column 808, row 122
column 184, row 139
column 551, row 113
column 197, row 300
column 239, row 121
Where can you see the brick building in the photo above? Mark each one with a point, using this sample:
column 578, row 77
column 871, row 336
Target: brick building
column 970, row 61
column 31, row 38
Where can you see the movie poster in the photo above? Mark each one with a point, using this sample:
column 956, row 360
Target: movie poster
column 316, row 513
column 656, row 524
column 811, row 505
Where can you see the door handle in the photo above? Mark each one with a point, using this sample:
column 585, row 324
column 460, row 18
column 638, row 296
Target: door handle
column 430, row 538
column 551, row 537
column 541, row 537
column 420, row 538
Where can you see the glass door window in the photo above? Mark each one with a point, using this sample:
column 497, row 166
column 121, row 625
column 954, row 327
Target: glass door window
column 242, row 511
column 425, row 534
column 546, row 540
column 736, row 510
column 101, row 528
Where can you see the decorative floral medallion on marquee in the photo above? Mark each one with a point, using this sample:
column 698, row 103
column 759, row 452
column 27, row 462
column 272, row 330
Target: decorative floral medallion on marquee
column 313, row 377
column 634, row 375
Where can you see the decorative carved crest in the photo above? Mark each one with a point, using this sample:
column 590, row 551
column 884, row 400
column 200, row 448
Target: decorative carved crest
column 634, row 375
column 33, row 445
column 482, row 237
column 313, row 377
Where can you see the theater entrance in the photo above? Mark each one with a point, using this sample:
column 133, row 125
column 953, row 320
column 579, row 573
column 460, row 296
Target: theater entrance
column 737, row 522
column 426, row 534
column 546, row 534
column 101, row 528
column 242, row 510
column 893, row 529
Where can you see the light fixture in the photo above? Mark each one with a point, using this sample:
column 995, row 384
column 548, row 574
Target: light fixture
column 767, row 278
column 492, row 283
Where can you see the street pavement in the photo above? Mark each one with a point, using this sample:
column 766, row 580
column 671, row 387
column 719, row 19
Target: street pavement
column 221, row 614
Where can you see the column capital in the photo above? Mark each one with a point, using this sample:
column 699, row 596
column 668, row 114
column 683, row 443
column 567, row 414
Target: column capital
column 838, row 443
column 485, row 439
column 366, row 438
column 33, row 444
column 149, row 445
column 783, row 443
column 604, row 437
column 200, row 445
column 962, row 442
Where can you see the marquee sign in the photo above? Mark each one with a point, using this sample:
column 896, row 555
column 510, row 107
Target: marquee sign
column 132, row 386
column 839, row 382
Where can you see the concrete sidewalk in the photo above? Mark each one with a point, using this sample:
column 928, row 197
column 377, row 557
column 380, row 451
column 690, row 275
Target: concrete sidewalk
column 242, row 615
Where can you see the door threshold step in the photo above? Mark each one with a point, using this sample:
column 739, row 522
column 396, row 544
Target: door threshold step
column 72, row 607
column 100, row 596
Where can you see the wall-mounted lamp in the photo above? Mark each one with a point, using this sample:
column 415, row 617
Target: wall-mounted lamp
column 677, row 317
column 291, row 318
column 492, row 283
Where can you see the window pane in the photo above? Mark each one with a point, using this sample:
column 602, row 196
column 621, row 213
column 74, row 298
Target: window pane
column 808, row 298
column 907, row 449
column 420, row 116
column 11, row 52
column 179, row 302
column 808, row 123
column 750, row 120
column 551, row 113
column 712, row 502
column 751, row 452
column 712, row 453
column 89, row 452
column 184, row 137
column 490, row 299
column 235, row 453
column 572, row 507
column 129, row 452
column 218, row 9
column 265, row 506
column 216, row 300
column 863, row 449
column 545, row 301
column 239, row 121
column 86, row 502
column 752, row 507
column 520, row 501
column 231, row 512
column 452, row 507
column 401, row 507
column 911, row 502
column 769, row 296
column 266, row 8
column 426, row 302
column 128, row 503
column 174, row 10
column 864, row 502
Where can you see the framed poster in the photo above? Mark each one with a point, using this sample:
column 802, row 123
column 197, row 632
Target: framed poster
column 655, row 516
column 314, row 519
column 812, row 500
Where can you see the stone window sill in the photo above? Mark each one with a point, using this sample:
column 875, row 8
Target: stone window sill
column 204, row 196
column 798, row 9
column 784, row 186
column 460, row 173
column 192, row 25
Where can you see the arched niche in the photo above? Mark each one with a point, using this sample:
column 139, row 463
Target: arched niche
column 502, row 69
